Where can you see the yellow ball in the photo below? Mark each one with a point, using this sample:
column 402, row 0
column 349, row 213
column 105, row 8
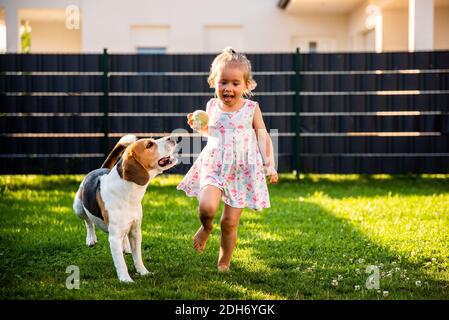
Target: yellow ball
column 200, row 119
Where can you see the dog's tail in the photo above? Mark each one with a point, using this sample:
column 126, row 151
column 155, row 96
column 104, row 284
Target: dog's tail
column 118, row 150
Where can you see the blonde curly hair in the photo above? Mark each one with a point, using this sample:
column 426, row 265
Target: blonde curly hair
column 229, row 55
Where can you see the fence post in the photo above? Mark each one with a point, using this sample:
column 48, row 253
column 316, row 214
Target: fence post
column 297, row 111
column 105, row 101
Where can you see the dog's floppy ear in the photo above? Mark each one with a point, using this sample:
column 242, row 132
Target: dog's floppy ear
column 118, row 150
column 131, row 170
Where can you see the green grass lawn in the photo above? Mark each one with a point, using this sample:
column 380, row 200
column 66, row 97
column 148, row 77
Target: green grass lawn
column 316, row 242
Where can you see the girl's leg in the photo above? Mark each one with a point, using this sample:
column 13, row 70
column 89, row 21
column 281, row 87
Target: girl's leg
column 229, row 225
column 209, row 199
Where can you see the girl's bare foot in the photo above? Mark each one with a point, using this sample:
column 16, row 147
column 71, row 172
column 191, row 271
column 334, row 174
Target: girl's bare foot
column 200, row 239
column 223, row 268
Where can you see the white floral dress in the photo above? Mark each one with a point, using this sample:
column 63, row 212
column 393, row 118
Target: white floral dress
column 231, row 160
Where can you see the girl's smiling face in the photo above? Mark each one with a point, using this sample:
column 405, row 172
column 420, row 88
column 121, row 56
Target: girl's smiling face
column 230, row 85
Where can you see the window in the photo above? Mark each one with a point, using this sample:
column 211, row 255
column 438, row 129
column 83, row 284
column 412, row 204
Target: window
column 144, row 50
column 314, row 43
column 313, row 46
column 150, row 39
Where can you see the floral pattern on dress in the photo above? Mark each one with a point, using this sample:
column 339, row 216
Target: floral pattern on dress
column 231, row 160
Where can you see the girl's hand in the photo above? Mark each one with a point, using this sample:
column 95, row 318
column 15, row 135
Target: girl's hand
column 189, row 120
column 272, row 173
column 203, row 130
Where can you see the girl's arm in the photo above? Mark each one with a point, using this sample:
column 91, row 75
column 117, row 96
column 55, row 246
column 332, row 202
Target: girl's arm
column 265, row 145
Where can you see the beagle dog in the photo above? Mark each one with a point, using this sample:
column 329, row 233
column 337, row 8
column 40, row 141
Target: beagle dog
column 110, row 197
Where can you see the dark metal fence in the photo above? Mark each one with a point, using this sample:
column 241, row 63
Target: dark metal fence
column 335, row 113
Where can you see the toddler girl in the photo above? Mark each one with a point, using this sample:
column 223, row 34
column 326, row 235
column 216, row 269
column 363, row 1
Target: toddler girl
column 238, row 155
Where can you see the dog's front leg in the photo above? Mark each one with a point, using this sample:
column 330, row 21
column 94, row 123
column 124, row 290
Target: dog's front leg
column 135, row 240
column 116, row 244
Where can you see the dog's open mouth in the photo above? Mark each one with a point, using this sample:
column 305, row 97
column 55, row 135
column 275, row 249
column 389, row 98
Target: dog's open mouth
column 166, row 161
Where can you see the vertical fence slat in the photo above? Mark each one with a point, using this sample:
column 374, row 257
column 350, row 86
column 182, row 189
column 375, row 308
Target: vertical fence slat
column 297, row 111
column 105, row 101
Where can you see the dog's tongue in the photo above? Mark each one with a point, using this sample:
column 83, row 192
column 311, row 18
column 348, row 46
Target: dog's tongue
column 164, row 161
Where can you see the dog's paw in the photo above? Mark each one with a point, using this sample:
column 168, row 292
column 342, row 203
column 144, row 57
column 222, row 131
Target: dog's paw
column 143, row 271
column 126, row 279
column 90, row 242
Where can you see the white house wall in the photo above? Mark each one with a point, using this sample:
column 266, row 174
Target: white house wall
column 250, row 25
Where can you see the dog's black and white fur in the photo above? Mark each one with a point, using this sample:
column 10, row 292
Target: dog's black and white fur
column 110, row 197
